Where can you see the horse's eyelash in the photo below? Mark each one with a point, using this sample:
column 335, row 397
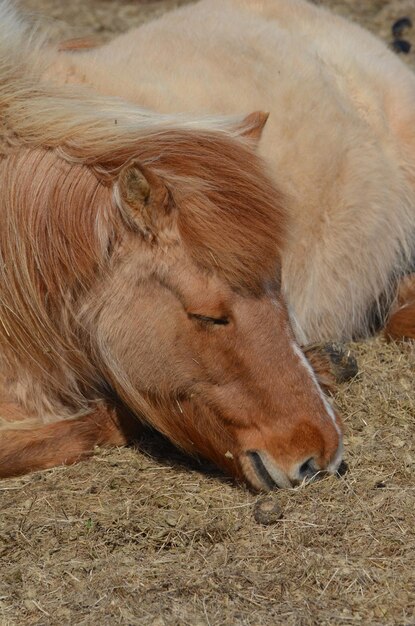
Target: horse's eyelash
column 220, row 321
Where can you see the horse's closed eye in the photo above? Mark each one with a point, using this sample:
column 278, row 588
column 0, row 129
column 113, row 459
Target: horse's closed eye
column 220, row 321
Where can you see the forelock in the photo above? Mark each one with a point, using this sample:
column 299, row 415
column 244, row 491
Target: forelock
column 231, row 216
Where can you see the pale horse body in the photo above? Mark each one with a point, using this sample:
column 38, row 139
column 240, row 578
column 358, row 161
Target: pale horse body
column 339, row 141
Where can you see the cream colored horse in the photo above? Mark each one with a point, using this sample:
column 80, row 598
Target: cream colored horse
column 339, row 142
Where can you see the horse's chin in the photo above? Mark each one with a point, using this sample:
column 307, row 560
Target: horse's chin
column 261, row 473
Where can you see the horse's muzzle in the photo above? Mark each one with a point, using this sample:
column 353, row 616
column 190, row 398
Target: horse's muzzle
column 263, row 473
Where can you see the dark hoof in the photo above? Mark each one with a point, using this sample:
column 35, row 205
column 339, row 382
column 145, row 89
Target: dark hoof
column 401, row 46
column 344, row 364
column 400, row 26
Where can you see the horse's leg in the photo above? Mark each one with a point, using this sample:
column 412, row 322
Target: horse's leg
column 401, row 322
column 27, row 449
column 332, row 363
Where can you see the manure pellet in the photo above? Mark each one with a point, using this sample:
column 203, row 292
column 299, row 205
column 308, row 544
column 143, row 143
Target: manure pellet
column 267, row 510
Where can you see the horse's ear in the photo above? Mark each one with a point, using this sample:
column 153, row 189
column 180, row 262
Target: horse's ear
column 253, row 125
column 142, row 198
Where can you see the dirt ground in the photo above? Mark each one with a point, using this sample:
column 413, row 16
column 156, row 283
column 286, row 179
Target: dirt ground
column 147, row 538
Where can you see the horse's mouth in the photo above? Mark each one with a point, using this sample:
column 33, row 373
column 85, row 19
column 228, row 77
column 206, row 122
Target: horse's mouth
column 261, row 473
column 265, row 475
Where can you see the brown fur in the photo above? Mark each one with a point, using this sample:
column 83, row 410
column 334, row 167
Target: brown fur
column 187, row 223
column 401, row 322
column 60, row 233
column 61, row 443
column 78, row 43
column 323, row 368
column 213, row 179
column 140, row 261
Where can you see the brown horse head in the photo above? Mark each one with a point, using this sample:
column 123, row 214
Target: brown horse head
column 153, row 270
column 189, row 326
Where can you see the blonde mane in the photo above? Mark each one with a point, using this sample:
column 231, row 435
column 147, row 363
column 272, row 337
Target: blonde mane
column 35, row 111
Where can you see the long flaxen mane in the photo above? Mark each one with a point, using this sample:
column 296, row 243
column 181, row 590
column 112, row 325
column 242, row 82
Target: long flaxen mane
column 62, row 149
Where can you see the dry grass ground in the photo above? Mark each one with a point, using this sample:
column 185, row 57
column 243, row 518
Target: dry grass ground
column 144, row 538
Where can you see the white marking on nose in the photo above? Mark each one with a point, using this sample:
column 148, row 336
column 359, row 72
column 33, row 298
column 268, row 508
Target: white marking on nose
column 335, row 464
column 326, row 403
column 299, row 353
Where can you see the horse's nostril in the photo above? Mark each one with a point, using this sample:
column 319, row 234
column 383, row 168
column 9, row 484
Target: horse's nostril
column 307, row 469
column 342, row 469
